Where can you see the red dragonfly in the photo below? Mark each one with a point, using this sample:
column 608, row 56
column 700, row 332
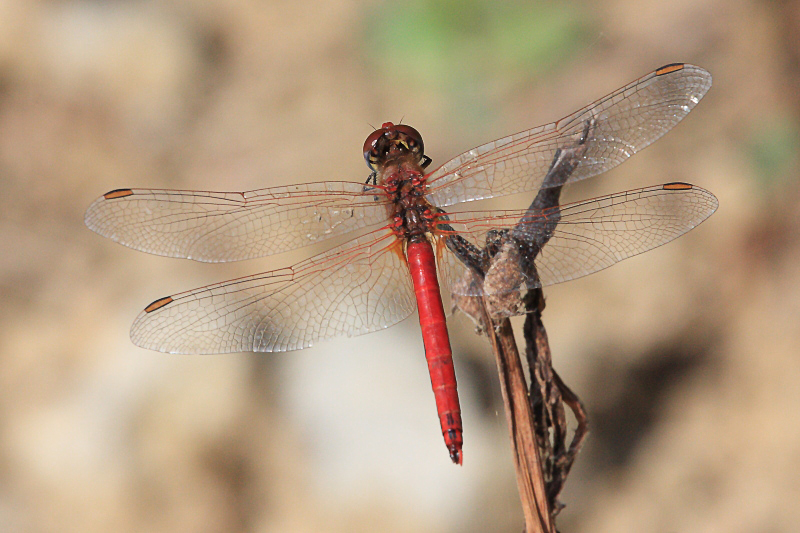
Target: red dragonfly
column 377, row 279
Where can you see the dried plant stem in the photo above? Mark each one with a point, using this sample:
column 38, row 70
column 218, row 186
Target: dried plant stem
column 548, row 396
column 530, row 478
column 536, row 421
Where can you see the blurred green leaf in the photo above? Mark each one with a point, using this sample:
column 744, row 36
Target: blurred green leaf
column 773, row 149
column 472, row 46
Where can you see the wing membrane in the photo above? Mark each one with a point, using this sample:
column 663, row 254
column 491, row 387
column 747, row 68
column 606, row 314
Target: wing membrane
column 231, row 226
column 613, row 129
column 356, row 288
column 591, row 235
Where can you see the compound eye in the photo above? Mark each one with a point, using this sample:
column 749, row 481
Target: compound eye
column 370, row 145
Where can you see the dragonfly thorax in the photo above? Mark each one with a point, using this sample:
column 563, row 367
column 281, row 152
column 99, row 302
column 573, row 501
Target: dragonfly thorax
column 404, row 183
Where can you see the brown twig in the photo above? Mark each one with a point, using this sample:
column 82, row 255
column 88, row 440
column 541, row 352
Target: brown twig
column 548, row 396
column 575, row 404
column 503, row 270
column 530, row 479
column 548, row 392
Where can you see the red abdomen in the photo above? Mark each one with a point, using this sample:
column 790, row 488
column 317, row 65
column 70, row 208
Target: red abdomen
column 422, row 266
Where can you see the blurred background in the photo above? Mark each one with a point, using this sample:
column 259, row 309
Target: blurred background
column 688, row 357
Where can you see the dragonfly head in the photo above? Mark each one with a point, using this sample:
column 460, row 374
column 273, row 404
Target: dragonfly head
column 392, row 141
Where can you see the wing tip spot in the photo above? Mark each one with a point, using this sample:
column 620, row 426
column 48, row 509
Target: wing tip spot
column 158, row 304
column 677, row 186
column 117, row 193
column 667, row 69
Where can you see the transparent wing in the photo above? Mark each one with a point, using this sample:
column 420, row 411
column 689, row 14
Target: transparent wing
column 613, row 129
column 587, row 236
column 356, row 288
column 230, row 226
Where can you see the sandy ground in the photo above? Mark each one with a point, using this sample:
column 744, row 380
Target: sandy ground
column 688, row 357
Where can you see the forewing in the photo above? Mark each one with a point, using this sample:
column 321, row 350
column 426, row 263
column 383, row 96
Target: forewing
column 612, row 129
column 356, row 288
column 230, row 226
column 588, row 236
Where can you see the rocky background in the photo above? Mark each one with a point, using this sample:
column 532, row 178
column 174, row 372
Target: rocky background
column 688, row 357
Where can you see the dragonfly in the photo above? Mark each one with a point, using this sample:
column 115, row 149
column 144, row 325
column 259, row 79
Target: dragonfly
column 405, row 243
